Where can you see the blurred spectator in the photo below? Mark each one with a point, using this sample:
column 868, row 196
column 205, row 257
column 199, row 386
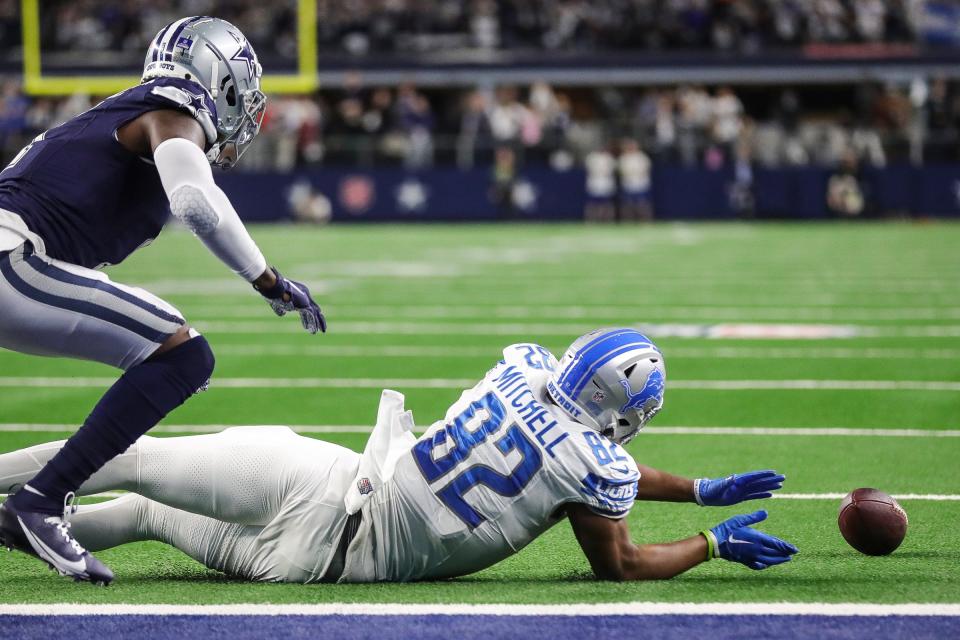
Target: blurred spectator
column 727, row 123
column 476, row 136
column 601, row 169
column 695, row 115
column 415, row 120
column 307, row 204
column 504, row 181
column 14, row 107
column 634, row 168
column 507, row 117
column 846, row 195
column 742, row 199
column 941, row 116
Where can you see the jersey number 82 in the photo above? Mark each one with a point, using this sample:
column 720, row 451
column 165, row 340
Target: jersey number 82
column 464, row 442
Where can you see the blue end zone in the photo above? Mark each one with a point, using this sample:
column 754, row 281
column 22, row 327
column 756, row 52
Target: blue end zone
column 469, row 627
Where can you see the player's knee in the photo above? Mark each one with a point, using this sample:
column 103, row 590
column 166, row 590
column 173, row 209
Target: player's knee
column 193, row 361
column 206, row 361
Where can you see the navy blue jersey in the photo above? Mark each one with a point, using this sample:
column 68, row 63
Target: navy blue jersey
column 91, row 200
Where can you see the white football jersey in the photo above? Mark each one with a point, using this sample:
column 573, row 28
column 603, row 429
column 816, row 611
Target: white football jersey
column 488, row 479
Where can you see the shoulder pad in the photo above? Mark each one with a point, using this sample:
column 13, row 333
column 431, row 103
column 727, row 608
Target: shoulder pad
column 186, row 96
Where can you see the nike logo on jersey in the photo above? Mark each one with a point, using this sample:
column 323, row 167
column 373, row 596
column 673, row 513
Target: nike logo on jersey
column 624, row 469
column 733, row 540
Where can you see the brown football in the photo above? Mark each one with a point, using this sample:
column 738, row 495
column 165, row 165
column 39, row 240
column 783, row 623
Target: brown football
column 872, row 522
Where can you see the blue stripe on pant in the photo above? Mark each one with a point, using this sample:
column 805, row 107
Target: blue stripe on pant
column 51, row 271
column 166, row 323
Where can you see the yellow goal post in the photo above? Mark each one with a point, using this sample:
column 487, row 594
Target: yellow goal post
column 37, row 84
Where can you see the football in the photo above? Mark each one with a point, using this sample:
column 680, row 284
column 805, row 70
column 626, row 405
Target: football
column 872, row 522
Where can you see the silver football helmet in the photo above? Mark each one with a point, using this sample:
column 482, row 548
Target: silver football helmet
column 611, row 380
column 216, row 55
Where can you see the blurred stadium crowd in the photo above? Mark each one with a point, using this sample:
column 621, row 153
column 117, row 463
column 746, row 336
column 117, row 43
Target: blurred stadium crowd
column 364, row 26
column 607, row 130
column 540, row 124
column 744, row 25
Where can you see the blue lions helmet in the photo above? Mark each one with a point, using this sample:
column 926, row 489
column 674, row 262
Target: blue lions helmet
column 610, row 380
column 216, row 55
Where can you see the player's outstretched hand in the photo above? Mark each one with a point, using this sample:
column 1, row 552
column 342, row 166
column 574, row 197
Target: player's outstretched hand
column 290, row 295
column 738, row 487
column 736, row 541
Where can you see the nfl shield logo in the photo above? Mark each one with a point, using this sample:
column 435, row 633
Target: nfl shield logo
column 184, row 42
column 364, row 486
column 599, row 396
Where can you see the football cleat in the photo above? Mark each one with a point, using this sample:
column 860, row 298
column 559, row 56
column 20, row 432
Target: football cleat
column 48, row 538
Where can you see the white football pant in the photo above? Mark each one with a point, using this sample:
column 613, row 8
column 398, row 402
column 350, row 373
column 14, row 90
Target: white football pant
column 261, row 503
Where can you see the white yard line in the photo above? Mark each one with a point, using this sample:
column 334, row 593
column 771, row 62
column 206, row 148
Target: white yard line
column 39, row 427
column 463, row 383
column 839, row 385
column 806, row 431
column 455, row 351
column 935, row 497
column 739, row 331
column 839, row 353
column 612, row 608
column 571, row 312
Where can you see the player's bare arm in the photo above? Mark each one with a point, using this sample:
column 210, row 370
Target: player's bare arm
column 656, row 485
column 614, row 556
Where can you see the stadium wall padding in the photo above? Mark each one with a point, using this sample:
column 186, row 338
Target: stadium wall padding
column 678, row 193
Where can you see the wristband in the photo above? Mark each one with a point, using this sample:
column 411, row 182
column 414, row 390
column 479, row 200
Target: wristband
column 711, row 544
column 696, row 490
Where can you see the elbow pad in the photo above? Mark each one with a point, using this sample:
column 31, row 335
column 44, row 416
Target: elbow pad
column 200, row 205
column 191, row 207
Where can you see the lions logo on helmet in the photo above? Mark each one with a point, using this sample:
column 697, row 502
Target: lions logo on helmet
column 214, row 54
column 652, row 390
column 597, row 375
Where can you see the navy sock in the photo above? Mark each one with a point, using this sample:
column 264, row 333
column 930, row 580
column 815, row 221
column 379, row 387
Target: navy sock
column 131, row 407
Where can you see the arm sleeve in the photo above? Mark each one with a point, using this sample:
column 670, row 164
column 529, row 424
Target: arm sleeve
column 203, row 207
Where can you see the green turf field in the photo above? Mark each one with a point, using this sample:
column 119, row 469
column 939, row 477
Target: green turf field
column 426, row 309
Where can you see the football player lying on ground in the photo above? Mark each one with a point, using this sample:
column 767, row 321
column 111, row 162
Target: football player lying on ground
column 88, row 193
column 533, row 442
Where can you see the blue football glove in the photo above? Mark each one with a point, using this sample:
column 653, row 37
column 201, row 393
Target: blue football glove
column 733, row 540
column 297, row 299
column 723, row 492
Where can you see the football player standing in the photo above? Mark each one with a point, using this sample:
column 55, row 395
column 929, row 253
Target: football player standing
column 88, row 193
